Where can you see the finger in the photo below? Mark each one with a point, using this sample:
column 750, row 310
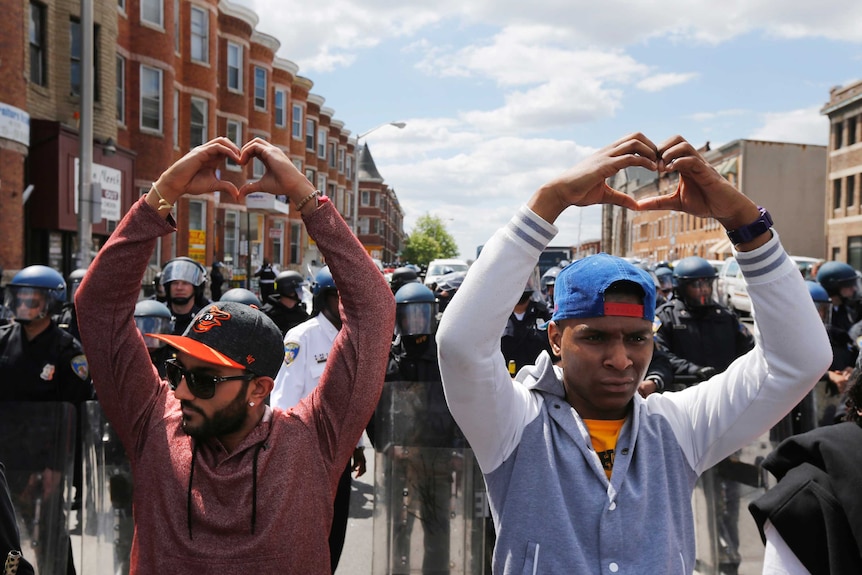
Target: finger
column 636, row 146
column 635, row 137
column 612, row 196
column 217, row 149
column 226, row 187
column 249, row 188
column 254, row 148
column 665, row 202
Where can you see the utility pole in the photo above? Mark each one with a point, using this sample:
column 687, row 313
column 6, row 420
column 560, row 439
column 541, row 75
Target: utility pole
column 85, row 139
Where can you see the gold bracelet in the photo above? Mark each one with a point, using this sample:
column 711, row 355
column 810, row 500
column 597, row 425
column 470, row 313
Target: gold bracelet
column 307, row 199
column 163, row 203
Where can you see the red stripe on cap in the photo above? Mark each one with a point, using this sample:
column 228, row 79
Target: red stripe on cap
column 197, row 350
column 624, row 309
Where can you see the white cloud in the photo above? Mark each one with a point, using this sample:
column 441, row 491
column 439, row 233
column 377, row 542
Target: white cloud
column 806, row 126
column 659, row 82
column 711, row 116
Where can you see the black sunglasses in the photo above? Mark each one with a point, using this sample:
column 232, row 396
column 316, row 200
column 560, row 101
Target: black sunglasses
column 202, row 385
column 28, row 303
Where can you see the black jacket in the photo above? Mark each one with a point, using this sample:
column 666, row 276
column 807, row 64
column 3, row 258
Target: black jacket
column 284, row 317
column 816, row 505
column 524, row 339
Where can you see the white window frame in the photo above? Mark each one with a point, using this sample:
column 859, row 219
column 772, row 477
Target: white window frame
column 234, row 62
column 310, row 175
column 296, row 122
column 176, row 122
column 121, row 90
column 280, row 109
column 204, row 127
column 199, row 41
column 121, row 4
column 348, row 167
column 159, row 76
column 295, row 248
column 236, row 127
column 177, row 26
column 200, row 222
column 340, row 159
column 231, row 235
column 278, row 243
column 258, row 169
column 321, row 183
column 366, row 198
column 310, row 134
column 260, row 89
column 159, row 7
column 321, row 143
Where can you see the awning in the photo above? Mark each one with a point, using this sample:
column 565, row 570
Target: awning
column 729, row 166
column 721, row 247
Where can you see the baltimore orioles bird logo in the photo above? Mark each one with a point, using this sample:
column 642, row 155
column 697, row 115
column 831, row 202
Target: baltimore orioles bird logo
column 212, row 318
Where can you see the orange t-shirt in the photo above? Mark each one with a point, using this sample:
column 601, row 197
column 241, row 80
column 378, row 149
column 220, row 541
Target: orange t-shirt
column 604, row 434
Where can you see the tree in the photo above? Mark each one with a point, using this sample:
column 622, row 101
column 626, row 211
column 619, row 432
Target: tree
column 429, row 240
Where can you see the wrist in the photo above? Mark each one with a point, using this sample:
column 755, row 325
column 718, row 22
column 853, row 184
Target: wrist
column 657, row 381
column 753, row 233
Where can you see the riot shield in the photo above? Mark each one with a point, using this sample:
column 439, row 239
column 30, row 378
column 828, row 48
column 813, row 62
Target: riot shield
column 429, row 504
column 37, row 446
column 107, row 519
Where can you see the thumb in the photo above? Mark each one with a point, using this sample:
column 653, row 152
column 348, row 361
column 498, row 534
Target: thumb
column 227, row 187
column 249, row 188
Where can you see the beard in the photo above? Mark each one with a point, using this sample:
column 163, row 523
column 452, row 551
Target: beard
column 225, row 421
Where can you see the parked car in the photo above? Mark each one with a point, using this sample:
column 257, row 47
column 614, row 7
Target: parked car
column 442, row 267
column 730, row 287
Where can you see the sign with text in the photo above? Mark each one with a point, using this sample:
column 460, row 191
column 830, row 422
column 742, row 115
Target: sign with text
column 198, row 245
column 111, row 181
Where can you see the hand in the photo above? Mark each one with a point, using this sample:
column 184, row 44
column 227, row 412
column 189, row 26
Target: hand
column 647, row 387
column 197, row 173
column 705, row 373
column 584, row 184
column 701, row 191
column 281, row 177
column 358, row 462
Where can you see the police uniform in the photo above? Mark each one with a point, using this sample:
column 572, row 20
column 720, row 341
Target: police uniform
column 524, row 339
column 51, row 367
column 182, row 321
column 286, row 318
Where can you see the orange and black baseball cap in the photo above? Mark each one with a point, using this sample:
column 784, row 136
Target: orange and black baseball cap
column 232, row 334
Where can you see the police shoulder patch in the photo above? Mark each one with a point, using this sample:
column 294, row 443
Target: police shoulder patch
column 291, row 350
column 80, row 366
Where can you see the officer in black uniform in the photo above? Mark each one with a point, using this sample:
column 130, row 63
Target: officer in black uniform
column 702, row 338
column 526, row 333
column 842, row 285
column 152, row 316
column 285, row 307
column 266, row 276
column 401, row 276
column 68, row 318
column 41, row 362
column 184, row 280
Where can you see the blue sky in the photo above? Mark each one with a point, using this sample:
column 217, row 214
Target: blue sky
column 500, row 96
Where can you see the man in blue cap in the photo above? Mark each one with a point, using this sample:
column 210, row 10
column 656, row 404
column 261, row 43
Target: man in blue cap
column 584, row 475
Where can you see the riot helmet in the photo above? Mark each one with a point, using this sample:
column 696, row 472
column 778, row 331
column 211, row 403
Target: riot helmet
column 241, row 295
column 821, row 299
column 34, row 293
column 73, row 282
column 321, row 289
column 837, row 278
column 695, row 278
column 664, row 276
column 415, row 310
column 152, row 316
column 184, row 269
column 402, row 276
column 289, row 284
column 446, row 287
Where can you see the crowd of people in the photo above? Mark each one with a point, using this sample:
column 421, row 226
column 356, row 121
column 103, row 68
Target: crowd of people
column 242, row 413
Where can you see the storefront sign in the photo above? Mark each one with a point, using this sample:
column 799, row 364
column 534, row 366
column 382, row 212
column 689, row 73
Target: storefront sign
column 198, row 245
column 14, row 124
column 111, row 181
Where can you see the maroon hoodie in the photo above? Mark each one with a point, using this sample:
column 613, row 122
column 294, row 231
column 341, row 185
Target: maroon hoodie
column 266, row 507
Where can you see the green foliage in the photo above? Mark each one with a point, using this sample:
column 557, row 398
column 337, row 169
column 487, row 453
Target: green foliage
column 429, row 240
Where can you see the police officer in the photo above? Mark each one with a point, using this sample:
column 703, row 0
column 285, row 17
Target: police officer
column 446, row 287
column 151, row 317
column 41, row 362
column 842, row 285
column 68, row 319
column 5, row 312
column 664, row 289
column 548, row 281
column 526, row 334
column 184, row 281
column 266, row 276
column 702, row 338
column 216, row 280
column 306, row 349
column 241, row 295
column 285, row 307
column 401, row 276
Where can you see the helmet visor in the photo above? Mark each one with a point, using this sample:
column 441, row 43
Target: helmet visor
column 824, row 308
column 154, row 324
column 698, row 292
column 27, row 303
column 185, row 271
column 415, row 318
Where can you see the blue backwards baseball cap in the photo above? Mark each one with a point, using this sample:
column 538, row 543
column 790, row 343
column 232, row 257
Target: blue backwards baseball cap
column 581, row 286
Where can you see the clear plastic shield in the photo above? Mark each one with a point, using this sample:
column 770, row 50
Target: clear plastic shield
column 37, row 446
column 430, row 505
column 107, row 502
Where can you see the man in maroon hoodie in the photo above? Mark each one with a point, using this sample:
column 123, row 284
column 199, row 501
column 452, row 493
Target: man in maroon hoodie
column 223, row 483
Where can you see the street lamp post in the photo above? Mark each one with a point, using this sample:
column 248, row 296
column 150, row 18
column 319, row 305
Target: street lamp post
column 398, row 125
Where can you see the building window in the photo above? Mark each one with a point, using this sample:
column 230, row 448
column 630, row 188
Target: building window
column 295, row 242
column 321, row 143
column 197, row 215
column 349, row 167
column 76, row 48
column 176, row 122
column 298, row 164
column 851, row 131
column 851, row 190
column 340, row 160
column 332, row 154
column 151, row 98
column 838, row 135
column 280, row 109
column 234, row 67
column 200, row 29
column 198, row 122
column 231, row 233
column 234, row 134
column 309, row 175
column 854, row 251
column 277, row 235
column 363, row 226
column 177, row 26
column 296, row 122
column 321, row 183
column 121, row 90
column 259, row 88
column 257, row 167
column 121, row 4
column 310, row 132
column 37, row 44
column 836, row 194
column 366, row 198
column 152, row 12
